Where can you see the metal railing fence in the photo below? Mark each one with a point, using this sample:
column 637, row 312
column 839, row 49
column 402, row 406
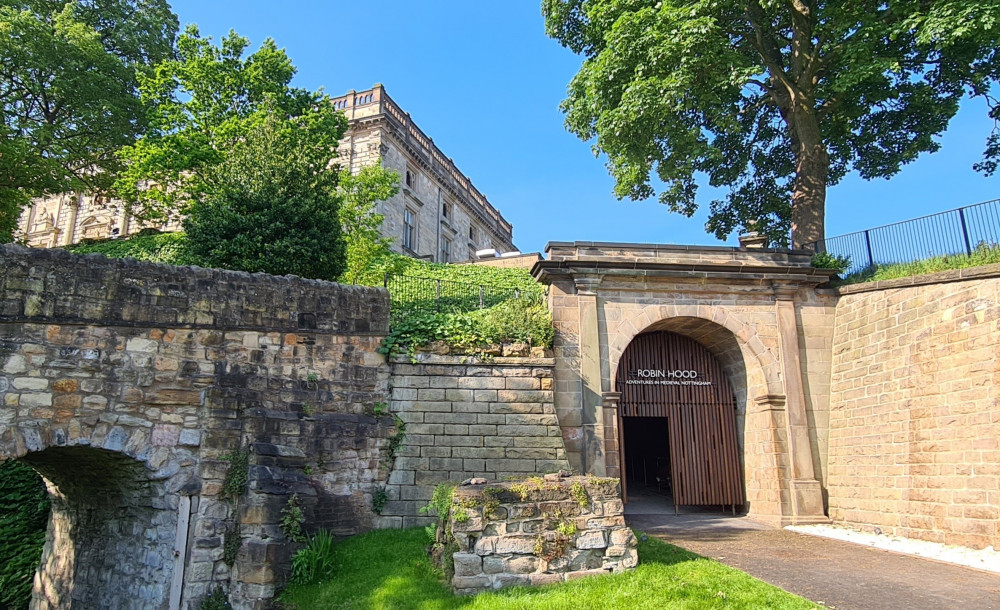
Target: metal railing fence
column 952, row 233
column 410, row 294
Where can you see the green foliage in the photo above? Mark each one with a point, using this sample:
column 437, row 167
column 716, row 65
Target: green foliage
column 395, row 441
column 368, row 254
column 380, row 408
column 170, row 248
column 238, row 474
column 315, row 562
column 24, row 515
column 69, row 92
column 231, row 543
column 518, row 320
column 983, row 254
column 292, row 520
column 825, row 260
column 492, row 502
column 391, row 569
column 216, row 601
column 272, row 205
column 774, row 100
column 379, row 497
column 580, row 494
column 441, row 502
column 203, row 104
column 498, row 278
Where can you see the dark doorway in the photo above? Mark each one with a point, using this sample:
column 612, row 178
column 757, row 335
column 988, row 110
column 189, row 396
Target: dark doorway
column 677, row 416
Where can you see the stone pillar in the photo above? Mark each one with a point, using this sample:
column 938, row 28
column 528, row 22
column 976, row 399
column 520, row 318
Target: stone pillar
column 612, row 435
column 805, row 492
column 590, row 375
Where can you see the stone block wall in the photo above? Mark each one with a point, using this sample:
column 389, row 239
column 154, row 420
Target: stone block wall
column 915, row 407
column 538, row 531
column 466, row 418
column 127, row 385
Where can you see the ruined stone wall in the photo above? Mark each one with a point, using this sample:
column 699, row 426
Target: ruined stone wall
column 915, row 407
column 128, row 385
column 466, row 418
column 538, row 531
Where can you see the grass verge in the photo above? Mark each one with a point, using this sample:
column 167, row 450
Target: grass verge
column 984, row 254
column 389, row 570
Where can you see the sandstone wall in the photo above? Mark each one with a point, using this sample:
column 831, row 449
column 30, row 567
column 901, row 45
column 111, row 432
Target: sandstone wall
column 128, row 384
column 469, row 418
column 915, row 407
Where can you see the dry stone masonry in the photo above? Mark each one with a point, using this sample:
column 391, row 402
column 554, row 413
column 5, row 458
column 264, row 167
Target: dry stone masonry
column 133, row 387
column 538, row 531
column 466, row 417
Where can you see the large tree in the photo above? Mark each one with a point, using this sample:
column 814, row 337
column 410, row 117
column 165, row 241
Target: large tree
column 200, row 106
column 773, row 99
column 69, row 92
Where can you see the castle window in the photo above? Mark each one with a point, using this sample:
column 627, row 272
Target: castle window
column 409, row 228
column 472, row 233
column 411, row 179
column 445, row 250
column 446, row 209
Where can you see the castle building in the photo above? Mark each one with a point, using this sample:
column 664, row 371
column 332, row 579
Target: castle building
column 438, row 214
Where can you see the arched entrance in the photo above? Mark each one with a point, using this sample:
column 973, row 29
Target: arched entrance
column 678, row 422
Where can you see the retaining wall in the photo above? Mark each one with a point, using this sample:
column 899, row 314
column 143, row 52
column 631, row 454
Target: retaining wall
column 915, row 407
column 467, row 417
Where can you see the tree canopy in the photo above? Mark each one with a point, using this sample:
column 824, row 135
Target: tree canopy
column 69, row 92
column 772, row 99
column 201, row 105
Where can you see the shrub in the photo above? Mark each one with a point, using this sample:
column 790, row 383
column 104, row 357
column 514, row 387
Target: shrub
column 273, row 206
column 24, row 515
column 825, row 260
column 518, row 320
column 316, row 561
column 170, row 248
column 292, row 519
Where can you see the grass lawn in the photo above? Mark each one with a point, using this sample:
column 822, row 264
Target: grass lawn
column 389, row 570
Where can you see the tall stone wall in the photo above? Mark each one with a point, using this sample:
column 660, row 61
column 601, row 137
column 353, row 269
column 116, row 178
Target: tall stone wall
column 915, row 407
column 128, row 385
column 469, row 418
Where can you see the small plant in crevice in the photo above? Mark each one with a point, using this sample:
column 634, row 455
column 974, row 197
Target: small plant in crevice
column 579, row 493
column 551, row 545
column 491, row 504
column 235, row 483
column 380, row 408
column 307, row 470
column 379, row 498
column 217, row 600
column 395, row 441
column 825, row 260
column 292, row 519
column 320, row 463
column 316, row 561
column 312, row 377
column 308, row 409
column 231, row 543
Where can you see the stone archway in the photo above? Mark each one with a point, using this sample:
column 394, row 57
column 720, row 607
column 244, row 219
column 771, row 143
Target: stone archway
column 112, row 531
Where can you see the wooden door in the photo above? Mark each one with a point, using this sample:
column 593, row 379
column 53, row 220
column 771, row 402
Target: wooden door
column 663, row 374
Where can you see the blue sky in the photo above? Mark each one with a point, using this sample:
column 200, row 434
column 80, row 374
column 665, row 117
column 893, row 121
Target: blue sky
column 484, row 81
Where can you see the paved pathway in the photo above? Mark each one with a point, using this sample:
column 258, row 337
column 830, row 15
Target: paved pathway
column 841, row 575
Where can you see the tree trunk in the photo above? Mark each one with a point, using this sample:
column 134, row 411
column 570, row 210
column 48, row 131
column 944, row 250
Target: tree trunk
column 812, row 164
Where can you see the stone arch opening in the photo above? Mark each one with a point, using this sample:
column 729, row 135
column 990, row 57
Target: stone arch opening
column 111, row 531
column 678, row 415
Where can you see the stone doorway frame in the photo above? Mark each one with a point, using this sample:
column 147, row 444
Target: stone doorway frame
column 604, row 294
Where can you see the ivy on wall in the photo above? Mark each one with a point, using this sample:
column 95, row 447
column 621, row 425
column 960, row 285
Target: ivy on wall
column 24, row 515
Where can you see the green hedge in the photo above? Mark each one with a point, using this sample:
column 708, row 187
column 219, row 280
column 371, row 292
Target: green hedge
column 168, row 248
column 24, row 515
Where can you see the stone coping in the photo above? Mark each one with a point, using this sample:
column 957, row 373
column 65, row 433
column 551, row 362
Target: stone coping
column 723, row 270
column 465, row 360
column 940, row 277
column 669, row 247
